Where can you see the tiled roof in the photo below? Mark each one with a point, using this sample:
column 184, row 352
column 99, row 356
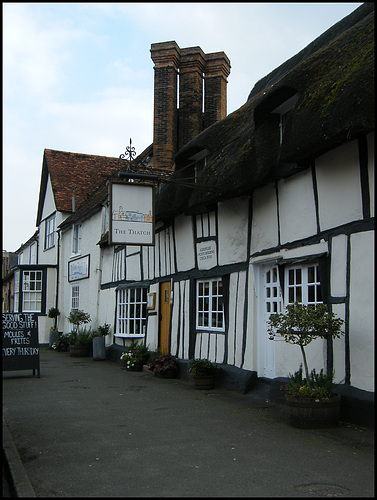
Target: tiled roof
column 142, row 164
column 76, row 174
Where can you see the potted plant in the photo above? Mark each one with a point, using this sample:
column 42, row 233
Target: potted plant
column 163, row 365
column 81, row 342
column 62, row 343
column 53, row 312
column 99, row 346
column 203, row 373
column 81, row 339
column 310, row 399
column 135, row 356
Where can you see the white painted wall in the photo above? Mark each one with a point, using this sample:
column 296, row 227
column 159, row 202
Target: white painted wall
column 184, row 239
column 338, row 274
column 89, row 287
column 264, row 231
column 361, row 321
column 233, row 218
column 338, row 183
column 296, row 207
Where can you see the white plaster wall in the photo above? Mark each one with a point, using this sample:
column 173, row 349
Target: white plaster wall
column 44, row 322
column 288, row 357
column 233, row 220
column 338, row 273
column 106, row 312
column 48, row 202
column 107, row 264
column 371, row 174
column 361, row 316
column 250, row 361
column 89, row 287
column 133, row 269
column 236, row 317
column 339, row 348
column 296, row 207
column 264, row 232
column 338, row 184
column 184, row 239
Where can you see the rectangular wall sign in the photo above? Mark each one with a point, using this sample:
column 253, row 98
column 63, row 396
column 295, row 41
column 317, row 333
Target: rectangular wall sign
column 78, row 269
column 206, row 253
column 20, row 342
column 131, row 214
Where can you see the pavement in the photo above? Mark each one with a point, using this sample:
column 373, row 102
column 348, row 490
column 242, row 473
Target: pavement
column 88, row 428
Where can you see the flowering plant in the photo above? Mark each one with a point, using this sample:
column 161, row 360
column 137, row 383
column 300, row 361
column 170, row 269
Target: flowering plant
column 319, row 386
column 163, row 363
column 135, row 354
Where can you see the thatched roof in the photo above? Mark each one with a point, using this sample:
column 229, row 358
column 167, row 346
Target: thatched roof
column 333, row 79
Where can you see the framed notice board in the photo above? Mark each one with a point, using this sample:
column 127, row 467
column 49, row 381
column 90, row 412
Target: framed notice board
column 20, row 342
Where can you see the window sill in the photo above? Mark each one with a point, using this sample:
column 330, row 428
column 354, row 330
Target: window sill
column 129, row 335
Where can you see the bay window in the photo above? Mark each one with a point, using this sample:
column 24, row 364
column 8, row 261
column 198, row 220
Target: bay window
column 131, row 312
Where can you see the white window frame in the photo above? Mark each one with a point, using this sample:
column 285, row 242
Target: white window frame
column 32, row 285
column 33, row 253
column 75, row 297
column 50, row 232
column 302, row 284
column 76, row 239
column 16, row 298
column 210, row 305
column 131, row 312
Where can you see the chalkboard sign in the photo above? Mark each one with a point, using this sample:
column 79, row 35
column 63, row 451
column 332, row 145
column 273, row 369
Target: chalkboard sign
column 20, row 342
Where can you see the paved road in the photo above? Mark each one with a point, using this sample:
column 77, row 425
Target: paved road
column 88, row 428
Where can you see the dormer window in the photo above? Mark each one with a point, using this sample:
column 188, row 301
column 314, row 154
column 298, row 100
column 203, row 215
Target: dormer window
column 198, row 164
column 284, row 111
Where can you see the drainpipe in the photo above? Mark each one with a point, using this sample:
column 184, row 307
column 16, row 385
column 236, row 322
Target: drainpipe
column 57, row 276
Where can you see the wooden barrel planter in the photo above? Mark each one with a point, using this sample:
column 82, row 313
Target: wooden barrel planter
column 79, row 351
column 308, row 413
column 204, row 382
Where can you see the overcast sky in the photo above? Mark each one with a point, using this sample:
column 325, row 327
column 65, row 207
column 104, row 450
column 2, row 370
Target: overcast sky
column 78, row 77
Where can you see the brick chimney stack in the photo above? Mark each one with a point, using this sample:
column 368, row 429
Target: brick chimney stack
column 190, row 115
column 215, row 87
column 172, row 129
column 166, row 57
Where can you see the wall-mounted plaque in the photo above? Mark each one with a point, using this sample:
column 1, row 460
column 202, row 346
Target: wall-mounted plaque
column 78, row 269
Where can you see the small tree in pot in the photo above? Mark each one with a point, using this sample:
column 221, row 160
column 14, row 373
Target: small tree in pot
column 81, row 339
column 53, row 312
column 300, row 325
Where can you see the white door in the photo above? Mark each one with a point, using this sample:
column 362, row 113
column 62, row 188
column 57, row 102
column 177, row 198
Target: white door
column 270, row 302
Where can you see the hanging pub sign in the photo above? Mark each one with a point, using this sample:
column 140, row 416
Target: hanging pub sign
column 20, row 342
column 131, row 214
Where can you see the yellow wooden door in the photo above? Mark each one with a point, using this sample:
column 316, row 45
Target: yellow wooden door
column 164, row 316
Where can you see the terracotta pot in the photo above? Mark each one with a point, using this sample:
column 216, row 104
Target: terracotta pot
column 308, row 413
column 204, row 382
